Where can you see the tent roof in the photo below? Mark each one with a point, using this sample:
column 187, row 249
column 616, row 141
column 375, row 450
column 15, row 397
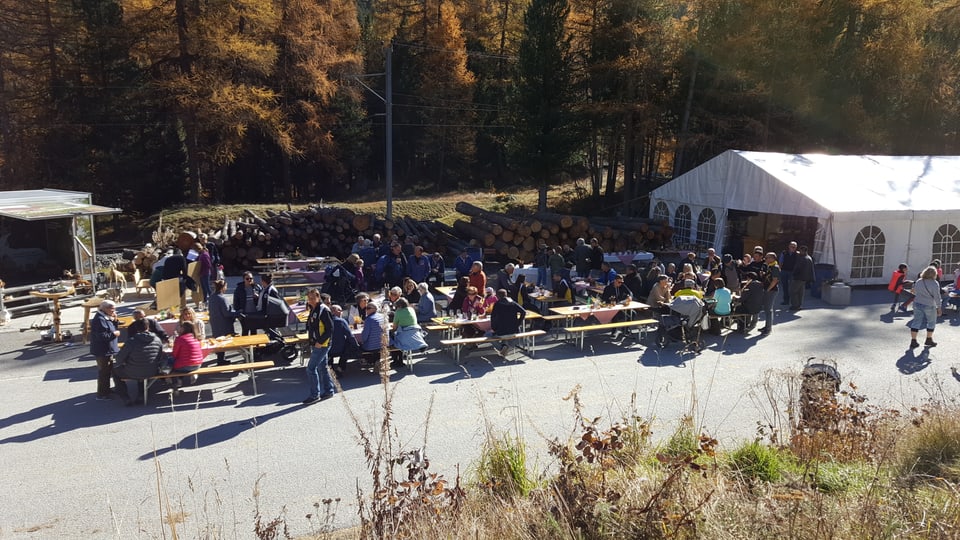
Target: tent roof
column 818, row 184
column 37, row 204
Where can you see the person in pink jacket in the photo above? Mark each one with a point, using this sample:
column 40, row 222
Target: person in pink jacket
column 187, row 352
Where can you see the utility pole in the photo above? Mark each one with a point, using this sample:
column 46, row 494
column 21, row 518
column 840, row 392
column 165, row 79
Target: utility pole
column 388, row 102
column 387, row 99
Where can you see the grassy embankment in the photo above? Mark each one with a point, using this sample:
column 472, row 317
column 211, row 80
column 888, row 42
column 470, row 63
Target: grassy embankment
column 837, row 467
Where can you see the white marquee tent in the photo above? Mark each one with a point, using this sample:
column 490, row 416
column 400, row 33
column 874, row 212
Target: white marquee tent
column 872, row 212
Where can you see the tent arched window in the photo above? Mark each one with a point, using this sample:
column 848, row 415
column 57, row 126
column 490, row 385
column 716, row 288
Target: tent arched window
column 819, row 241
column 661, row 213
column 707, row 228
column 946, row 246
column 868, row 253
column 682, row 219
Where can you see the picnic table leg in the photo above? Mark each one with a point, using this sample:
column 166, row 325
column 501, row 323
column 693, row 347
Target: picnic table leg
column 456, row 353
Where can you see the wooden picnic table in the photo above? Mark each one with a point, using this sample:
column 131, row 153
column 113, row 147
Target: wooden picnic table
column 447, row 291
column 482, row 323
column 55, row 297
column 603, row 314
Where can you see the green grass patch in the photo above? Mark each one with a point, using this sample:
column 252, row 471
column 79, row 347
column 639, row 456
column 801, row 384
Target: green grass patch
column 761, row 462
column 502, row 467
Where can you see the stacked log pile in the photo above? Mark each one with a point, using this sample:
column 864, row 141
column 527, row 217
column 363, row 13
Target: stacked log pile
column 517, row 238
column 328, row 231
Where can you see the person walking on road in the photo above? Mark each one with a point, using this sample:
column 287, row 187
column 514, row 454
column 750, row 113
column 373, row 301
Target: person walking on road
column 771, row 280
column 927, row 307
column 319, row 331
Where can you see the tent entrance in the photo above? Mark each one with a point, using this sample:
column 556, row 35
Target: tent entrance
column 744, row 230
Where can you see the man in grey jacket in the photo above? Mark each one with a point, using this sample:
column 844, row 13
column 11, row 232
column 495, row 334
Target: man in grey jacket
column 141, row 357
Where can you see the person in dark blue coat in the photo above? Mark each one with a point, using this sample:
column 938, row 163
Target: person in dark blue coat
column 343, row 345
column 104, row 346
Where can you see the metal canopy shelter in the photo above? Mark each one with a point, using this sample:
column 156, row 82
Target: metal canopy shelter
column 52, row 204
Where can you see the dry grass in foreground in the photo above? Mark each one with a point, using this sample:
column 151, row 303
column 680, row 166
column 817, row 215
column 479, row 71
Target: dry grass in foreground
column 840, row 468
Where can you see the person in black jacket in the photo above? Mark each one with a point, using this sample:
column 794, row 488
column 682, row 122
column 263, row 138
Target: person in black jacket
column 506, row 318
column 319, row 332
column 751, row 301
column 175, row 267
column 272, row 309
column 141, row 357
column 152, row 326
column 245, row 299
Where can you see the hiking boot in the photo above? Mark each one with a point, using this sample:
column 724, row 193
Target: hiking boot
column 929, row 343
column 914, row 344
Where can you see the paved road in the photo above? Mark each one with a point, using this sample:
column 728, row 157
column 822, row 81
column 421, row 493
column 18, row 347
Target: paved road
column 74, row 467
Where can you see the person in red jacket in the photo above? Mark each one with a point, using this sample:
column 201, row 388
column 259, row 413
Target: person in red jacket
column 187, row 353
column 896, row 285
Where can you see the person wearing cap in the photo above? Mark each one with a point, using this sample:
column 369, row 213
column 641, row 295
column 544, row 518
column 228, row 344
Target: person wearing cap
column 757, row 264
column 489, row 299
column 104, row 346
column 771, row 280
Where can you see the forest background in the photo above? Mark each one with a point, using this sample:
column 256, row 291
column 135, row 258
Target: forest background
column 151, row 103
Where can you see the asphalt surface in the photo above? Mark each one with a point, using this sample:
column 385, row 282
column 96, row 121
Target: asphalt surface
column 74, row 467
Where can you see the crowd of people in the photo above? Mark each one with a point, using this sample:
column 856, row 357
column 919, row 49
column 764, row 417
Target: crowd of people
column 928, row 296
column 407, row 275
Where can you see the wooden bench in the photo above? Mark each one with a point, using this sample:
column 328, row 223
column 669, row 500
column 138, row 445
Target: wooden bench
column 578, row 333
column 248, row 367
column 727, row 320
column 300, row 340
column 436, row 327
column 458, row 344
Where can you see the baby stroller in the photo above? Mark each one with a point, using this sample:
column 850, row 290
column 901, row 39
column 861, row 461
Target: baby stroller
column 683, row 324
